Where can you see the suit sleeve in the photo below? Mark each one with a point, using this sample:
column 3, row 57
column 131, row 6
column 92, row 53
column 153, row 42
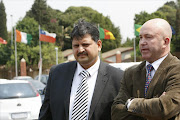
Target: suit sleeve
column 118, row 109
column 164, row 107
column 45, row 111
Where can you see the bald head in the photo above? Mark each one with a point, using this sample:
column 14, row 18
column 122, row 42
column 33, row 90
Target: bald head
column 161, row 25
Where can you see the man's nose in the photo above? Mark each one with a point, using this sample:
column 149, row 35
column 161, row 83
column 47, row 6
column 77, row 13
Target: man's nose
column 142, row 41
column 81, row 48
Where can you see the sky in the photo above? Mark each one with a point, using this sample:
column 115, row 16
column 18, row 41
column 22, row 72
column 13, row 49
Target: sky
column 120, row 12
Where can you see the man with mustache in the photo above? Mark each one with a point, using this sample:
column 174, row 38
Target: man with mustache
column 83, row 89
column 151, row 90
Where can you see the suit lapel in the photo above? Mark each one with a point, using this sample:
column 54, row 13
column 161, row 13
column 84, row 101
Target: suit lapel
column 71, row 71
column 139, row 76
column 99, row 87
column 158, row 74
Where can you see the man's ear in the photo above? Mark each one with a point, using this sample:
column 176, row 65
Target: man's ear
column 166, row 41
column 99, row 43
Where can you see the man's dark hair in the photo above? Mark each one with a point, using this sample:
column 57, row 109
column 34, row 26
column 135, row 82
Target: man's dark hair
column 83, row 28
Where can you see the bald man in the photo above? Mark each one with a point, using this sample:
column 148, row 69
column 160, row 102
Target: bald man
column 151, row 90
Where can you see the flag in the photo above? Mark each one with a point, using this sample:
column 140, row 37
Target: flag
column 47, row 37
column 137, row 29
column 173, row 31
column 23, row 37
column 2, row 41
column 105, row 34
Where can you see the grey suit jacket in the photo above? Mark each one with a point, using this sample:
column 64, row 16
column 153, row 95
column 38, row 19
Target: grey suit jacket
column 154, row 106
column 57, row 97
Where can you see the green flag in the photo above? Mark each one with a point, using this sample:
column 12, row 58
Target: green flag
column 137, row 29
column 105, row 34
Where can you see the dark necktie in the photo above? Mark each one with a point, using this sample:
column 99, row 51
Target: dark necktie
column 80, row 105
column 148, row 78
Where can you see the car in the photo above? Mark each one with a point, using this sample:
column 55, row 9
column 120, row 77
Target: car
column 18, row 100
column 124, row 65
column 23, row 78
column 39, row 86
column 44, row 78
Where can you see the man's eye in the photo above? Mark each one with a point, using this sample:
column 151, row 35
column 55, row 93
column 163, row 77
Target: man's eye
column 149, row 36
column 75, row 46
column 85, row 45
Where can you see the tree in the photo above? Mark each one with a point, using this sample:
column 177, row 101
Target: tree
column 177, row 40
column 39, row 12
column 3, row 27
column 129, row 43
column 5, row 50
column 73, row 14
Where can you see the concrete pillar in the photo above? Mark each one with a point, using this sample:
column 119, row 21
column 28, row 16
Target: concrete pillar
column 118, row 57
column 23, row 67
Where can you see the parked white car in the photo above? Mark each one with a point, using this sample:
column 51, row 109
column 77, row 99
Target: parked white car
column 125, row 65
column 18, row 100
column 23, row 78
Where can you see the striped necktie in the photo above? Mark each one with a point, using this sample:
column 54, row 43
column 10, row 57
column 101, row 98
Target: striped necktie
column 148, row 78
column 80, row 105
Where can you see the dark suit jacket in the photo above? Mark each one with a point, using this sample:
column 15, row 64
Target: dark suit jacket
column 57, row 97
column 154, row 106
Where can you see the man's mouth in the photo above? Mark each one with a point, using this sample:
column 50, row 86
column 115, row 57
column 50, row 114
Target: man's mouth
column 82, row 54
column 144, row 50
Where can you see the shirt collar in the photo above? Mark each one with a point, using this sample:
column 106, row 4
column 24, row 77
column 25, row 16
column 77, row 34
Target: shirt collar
column 156, row 63
column 91, row 70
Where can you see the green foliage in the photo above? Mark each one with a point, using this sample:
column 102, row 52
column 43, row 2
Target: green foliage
column 129, row 43
column 176, row 42
column 3, row 28
column 39, row 12
column 5, row 50
column 73, row 14
column 5, row 53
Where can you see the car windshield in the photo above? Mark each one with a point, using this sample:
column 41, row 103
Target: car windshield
column 37, row 84
column 16, row 90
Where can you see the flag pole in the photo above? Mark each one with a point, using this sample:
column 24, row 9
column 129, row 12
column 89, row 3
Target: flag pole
column 99, row 38
column 134, row 49
column 16, row 69
column 40, row 60
column 11, row 40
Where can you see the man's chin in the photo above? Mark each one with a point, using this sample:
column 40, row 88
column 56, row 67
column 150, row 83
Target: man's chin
column 145, row 57
column 82, row 60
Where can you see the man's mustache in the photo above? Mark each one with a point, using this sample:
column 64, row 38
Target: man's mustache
column 82, row 53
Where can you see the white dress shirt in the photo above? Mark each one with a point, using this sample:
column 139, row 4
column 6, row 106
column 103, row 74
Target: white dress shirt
column 155, row 65
column 91, row 80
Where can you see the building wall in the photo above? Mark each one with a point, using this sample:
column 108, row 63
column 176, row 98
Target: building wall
column 124, row 56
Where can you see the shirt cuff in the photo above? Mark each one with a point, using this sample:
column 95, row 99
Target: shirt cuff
column 129, row 103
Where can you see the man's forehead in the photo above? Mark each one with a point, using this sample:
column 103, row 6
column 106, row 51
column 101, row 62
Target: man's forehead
column 145, row 30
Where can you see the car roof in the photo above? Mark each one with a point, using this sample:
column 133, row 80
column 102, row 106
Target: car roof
column 23, row 77
column 5, row 81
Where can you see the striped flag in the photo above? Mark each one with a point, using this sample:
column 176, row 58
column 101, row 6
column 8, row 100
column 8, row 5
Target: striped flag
column 47, row 37
column 105, row 34
column 23, row 37
column 2, row 41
